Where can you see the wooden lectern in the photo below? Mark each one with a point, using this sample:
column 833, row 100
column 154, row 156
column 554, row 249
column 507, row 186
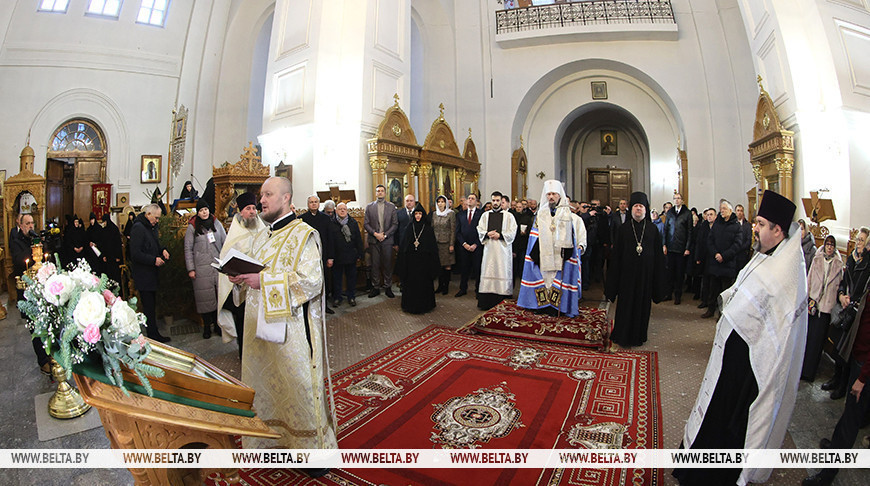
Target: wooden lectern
column 818, row 210
column 138, row 421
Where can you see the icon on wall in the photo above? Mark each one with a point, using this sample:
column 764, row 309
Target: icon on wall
column 608, row 142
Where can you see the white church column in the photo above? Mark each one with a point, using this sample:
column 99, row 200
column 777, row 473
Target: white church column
column 333, row 69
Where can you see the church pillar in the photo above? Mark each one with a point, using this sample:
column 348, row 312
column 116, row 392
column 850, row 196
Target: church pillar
column 424, row 172
column 332, row 72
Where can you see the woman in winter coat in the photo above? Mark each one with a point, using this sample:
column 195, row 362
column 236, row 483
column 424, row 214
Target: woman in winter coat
column 202, row 244
column 723, row 243
column 823, row 281
column 852, row 287
column 444, row 224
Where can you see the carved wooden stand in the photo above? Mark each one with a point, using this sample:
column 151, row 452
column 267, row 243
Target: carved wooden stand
column 142, row 422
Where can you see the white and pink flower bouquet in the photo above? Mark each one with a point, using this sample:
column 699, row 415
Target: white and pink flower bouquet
column 76, row 313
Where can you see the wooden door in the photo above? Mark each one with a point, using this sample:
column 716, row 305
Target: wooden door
column 608, row 185
column 54, row 203
column 88, row 171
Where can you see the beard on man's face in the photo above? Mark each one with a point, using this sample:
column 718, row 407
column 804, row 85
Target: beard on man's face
column 248, row 223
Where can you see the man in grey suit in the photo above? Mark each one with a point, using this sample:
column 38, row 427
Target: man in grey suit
column 381, row 224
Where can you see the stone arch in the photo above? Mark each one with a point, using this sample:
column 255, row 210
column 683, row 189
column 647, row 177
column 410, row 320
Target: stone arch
column 102, row 110
column 550, row 105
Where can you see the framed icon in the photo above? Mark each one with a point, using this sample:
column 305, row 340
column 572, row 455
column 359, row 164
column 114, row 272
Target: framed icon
column 608, row 142
column 151, row 168
column 599, row 90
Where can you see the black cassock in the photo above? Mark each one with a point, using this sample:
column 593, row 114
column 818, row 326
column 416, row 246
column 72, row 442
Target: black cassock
column 418, row 267
column 636, row 279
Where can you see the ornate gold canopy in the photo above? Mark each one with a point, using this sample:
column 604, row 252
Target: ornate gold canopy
column 394, row 154
column 248, row 173
column 443, row 169
column 23, row 182
column 772, row 149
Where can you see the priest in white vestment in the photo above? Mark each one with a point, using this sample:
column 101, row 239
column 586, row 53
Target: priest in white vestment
column 231, row 305
column 496, row 229
column 285, row 359
column 750, row 385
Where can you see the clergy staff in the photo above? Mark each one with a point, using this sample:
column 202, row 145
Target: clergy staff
column 231, row 305
column 418, row 265
column 749, row 388
column 285, row 338
column 551, row 272
column 496, row 230
column 635, row 274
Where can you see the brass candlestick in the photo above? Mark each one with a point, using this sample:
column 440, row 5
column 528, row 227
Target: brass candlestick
column 66, row 403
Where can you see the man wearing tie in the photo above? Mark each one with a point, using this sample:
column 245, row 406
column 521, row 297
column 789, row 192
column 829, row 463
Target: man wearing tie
column 404, row 217
column 469, row 252
column 380, row 224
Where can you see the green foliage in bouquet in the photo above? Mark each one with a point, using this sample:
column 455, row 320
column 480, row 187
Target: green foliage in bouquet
column 175, row 293
column 75, row 313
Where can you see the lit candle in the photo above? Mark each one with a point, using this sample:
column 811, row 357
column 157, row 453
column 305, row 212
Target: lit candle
column 27, row 263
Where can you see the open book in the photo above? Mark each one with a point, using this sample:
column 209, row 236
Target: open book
column 237, row 263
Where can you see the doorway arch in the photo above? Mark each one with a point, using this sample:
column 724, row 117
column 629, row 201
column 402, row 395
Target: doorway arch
column 559, row 99
column 579, row 141
column 76, row 158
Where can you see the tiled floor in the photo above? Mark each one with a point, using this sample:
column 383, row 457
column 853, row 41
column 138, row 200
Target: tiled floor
column 681, row 339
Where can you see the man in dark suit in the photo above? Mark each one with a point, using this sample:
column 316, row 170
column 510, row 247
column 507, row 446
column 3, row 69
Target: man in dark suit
column 321, row 222
column 678, row 236
column 381, row 224
column 148, row 255
column 470, row 251
column 746, row 228
column 20, row 240
column 618, row 218
column 403, row 216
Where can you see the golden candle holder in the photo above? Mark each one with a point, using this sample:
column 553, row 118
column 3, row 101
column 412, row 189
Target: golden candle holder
column 66, row 403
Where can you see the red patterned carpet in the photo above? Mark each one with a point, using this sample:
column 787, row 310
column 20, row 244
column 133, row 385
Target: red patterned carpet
column 589, row 328
column 439, row 388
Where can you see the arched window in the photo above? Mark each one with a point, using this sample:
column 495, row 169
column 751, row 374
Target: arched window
column 77, row 136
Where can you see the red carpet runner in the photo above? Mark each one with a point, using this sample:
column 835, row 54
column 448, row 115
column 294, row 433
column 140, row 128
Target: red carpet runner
column 589, row 328
column 442, row 389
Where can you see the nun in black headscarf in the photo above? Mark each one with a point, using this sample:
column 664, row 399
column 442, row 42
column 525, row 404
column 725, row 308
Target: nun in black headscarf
column 75, row 241
column 635, row 274
column 188, row 192
column 95, row 240
column 111, row 248
column 418, row 264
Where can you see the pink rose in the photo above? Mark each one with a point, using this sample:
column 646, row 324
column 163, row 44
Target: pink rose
column 109, row 297
column 92, row 333
column 140, row 340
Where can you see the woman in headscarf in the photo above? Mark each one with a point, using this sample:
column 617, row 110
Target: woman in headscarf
column 111, row 248
column 202, row 244
column 128, row 230
column 188, row 192
column 418, row 264
column 75, row 241
column 823, row 281
column 444, row 225
column 95, row 239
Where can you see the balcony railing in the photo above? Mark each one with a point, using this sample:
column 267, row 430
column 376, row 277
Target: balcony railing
column 578, row 14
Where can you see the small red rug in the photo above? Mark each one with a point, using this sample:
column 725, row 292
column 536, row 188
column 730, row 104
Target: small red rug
column 439, row 388
column 589, row 328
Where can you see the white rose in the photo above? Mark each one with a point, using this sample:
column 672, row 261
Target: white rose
column 91, row 309
column 124, row 318
column 84, row 277
column 46, row 271
column 57, row 289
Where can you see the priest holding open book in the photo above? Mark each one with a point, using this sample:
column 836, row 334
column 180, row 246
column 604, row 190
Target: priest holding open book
column 284, row 357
